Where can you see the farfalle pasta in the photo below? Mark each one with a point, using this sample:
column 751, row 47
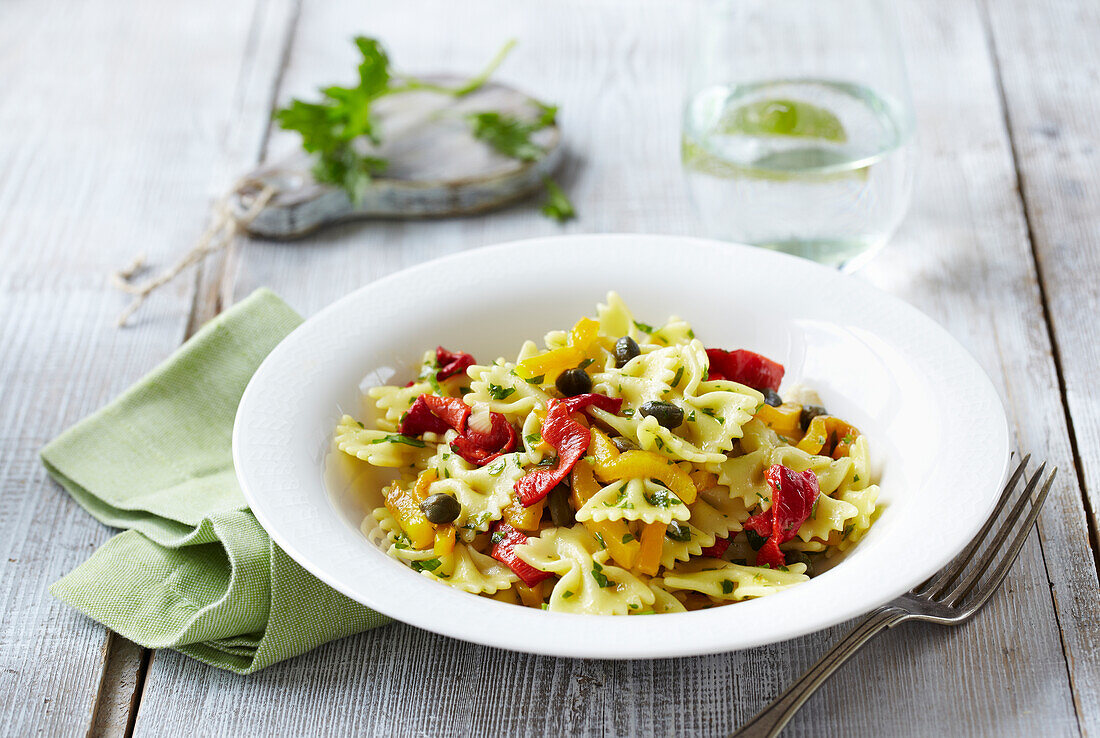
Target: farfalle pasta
column 623, row 469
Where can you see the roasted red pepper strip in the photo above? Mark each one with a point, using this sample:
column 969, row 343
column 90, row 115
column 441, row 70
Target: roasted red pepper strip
column 481, row 448
column 505, row 539
column 451, row 362
column 592, row 399
column 435, row 414
column 793, row 498
column 745, row 367
column 719, row 548
column 570, row 438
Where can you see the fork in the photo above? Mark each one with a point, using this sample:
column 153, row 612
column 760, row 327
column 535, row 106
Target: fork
column 951, row 597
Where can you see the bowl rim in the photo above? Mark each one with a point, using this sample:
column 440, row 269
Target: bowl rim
column 614, row 646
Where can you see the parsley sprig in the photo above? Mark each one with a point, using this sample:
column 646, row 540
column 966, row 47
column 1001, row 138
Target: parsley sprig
column 335, row 128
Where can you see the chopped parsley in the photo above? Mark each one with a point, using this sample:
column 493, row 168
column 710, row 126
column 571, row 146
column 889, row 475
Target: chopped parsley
column 426, row 565
column 566, row 595
column 628, row 412
column 400, row 438
column 535, row 380
column 727, row 586
column 628, row 538
column 662, row 498
column 360, row 424
column 586, row 363
column 847, row 530
column 533, row 438
column 711, row 413
column 501, row 393
column 599, row 576
column 756, row 541
column 497, row 537
column 691, row 333
column 813, row 510
column 691, row 417
column 643, row 327
column 855, row 478
column 678, row 377
column 497, row 468
column 600, row 539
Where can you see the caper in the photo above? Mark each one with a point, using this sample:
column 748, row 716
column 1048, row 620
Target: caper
column 626, row 348
column 440, row 508
column 573, row 382
column 797, row 557
column 678, row 531
column 668, row 415
column 809, row 413
column 561, row 512
column 624, row 444
column 771, row 397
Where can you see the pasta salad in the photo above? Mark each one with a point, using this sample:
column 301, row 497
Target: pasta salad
column 624, row 469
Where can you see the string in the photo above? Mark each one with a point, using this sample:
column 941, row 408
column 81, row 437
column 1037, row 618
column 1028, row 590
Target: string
column 220, row 235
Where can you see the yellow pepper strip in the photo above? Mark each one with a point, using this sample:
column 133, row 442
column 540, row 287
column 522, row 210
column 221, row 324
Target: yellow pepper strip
column 648, row 465
column 404, row 505
column 444, row 540
column 552, row 363
column 649, row 554
column 523, row 518
column 602, row 448
column 703, row 480
column 829, row 436
column 530, row 596
column 615, row 534
column 785, row 419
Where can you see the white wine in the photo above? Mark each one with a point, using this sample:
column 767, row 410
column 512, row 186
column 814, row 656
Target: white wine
column 811, row 167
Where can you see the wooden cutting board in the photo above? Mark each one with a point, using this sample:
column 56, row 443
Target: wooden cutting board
column 436, row 166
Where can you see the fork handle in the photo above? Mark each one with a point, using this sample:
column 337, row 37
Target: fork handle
column 769, row 721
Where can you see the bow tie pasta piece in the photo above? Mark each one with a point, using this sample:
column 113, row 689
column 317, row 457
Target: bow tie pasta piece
column 465, row 568
column 663, row 600
column 393, row 402
column 828, row 515
column 615, row 318
column 476, row 573
column 649, row 435
column 482, row 490
column 504, row 391
column 634, row 499
column 676, row 550
column 723, row 580
column 588, row 584
column 715, row 521
column 379, row 447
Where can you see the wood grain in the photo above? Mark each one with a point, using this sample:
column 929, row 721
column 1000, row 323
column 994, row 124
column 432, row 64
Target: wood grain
column 1049, row 75
column 115, row 117
column 963, row 255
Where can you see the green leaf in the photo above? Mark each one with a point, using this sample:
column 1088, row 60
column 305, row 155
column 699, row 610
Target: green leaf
column 399, row 438
column 500, row 393
column 678, row 377
column 426, row 565
column 599, row 576
column 558, row 207
column 507, row 133
column 644, row 328
column 727, row 586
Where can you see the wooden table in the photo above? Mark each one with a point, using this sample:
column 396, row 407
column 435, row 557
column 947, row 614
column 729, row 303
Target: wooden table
column 121, row 121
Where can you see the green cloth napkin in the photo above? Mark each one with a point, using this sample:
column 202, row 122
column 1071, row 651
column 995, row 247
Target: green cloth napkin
column 193, row 570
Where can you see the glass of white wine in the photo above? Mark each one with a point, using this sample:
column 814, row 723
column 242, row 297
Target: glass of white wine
column 798, row 126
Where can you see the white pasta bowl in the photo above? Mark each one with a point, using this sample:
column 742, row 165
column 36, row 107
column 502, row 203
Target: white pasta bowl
column 935, row 426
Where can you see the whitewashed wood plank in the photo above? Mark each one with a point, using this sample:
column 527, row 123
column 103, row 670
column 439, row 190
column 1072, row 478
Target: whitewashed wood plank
column 616, row 68
column 1049, row 71
column 114, row 117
